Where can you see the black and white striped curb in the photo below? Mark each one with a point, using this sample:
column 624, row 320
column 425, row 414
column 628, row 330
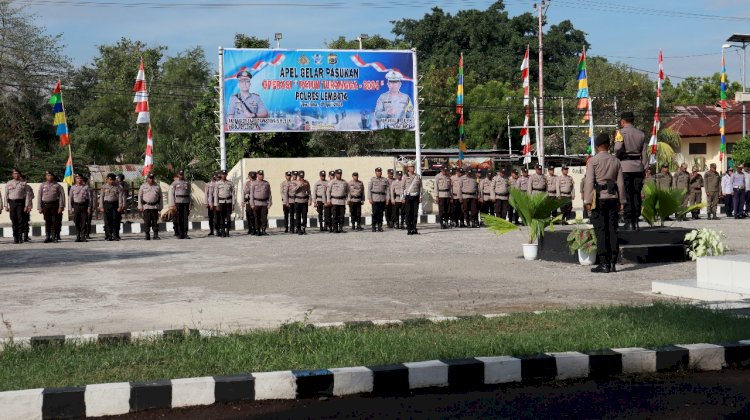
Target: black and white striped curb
column 138, row 227
column 398, row 379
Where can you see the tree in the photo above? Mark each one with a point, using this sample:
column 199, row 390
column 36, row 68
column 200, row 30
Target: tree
column 699, row 90
column 741, row 152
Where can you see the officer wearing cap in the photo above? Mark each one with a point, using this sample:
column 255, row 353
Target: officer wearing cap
column 681, row 181
column 179, row 201
column 80, row 206
column 209, row 194
column 377, row 195
column 302, row 201
column 695, row 193
column 712, row 181
column 261, row 200
column 93, row 200
column 500, row 194
column 604, row 197
column 443, row 196
column 537, row 183
column 328, row 207
column 663, row 179
column 319, row 197
column 412, row 198
column 388, row 203
column 394, row 108
column 27, row 213
column 396, row 196
column 522, row 183
column 224, row 203
column 630, row 148
column 553, row 185
column 51, row 202
column 566, row 189
column 125, row 190
column 336, row 196
column 457, row 212
column 246, row 104
column 285, row 200
column 150, row 203
column 485, row 191
column 355, row 199
column 291, row 202
column 513, row 181
column 247, row 192
column 469, row 192
column 111, row 201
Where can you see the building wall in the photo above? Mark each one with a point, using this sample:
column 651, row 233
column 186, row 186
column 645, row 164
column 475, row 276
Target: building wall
column 713, row 144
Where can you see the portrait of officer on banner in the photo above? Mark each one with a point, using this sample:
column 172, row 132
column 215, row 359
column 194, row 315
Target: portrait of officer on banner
column 394, row 108
column 245, row 104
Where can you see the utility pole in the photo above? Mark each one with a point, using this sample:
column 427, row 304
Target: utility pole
column 540, row 141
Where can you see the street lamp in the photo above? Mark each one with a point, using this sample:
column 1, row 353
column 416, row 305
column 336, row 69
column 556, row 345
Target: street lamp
column 743, row 40
column 360, row 38
column 277, row 37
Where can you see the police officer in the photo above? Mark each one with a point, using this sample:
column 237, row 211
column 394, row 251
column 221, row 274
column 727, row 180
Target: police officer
column 681, row 181
column 285, row 200
column 261, row 200
column 355, row 199
column 150, row 203
column 457, row 210
column 51, row 202
column 712, row 181
column 553, row 185
column 469, row 193
column 396, row 195
column 302, row 201
column 412, row 198
column 209, row 194
column 663, row 179
column 377, row 195
column 246, row 104
column 125, row 191
column 443, row 196
column 224, row 203
column 179, row 201
column 388, row 202
column 648, row 177
column 513, row 181
column 80, row 206
column 727, row 192
column 18, row 203
column 319, row 193
column 247, row 194
column 604, row 178
column 696, row 191
column 500, row 194
column 522, row 183
column 27, row 214
column 630, row 148
column 111, row 201
column 566, row 189
column 536, row 182
column 328, row 208
column 485, row 191
column 93, row 200
column 336, row 196
column 393, row 108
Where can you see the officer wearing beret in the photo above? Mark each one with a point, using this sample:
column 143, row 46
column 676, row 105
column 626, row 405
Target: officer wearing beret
column 302, row 201
column 179, row 201
column 355, row 198
column 285, row 200
column 224, row 203
column 80, row 206
column 150, row 203
column 246, row 104
column 111, row 202
column 377, row 193
column 261, row 200
column 51, row 202
column 630, row 148
column 247, row 193
column 319, row 197
column 396, row 196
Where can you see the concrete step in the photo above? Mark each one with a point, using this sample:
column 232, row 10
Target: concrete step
column 653, row 253
column 726, row 272
column 690, row 289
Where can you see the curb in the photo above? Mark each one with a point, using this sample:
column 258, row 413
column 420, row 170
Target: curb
column 398, row 379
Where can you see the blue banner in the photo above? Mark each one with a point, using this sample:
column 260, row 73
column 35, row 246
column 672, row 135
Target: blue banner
column 317, row 90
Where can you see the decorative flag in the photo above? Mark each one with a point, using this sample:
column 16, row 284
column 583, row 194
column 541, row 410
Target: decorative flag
column 653, row 143
column 525, row 137
column 359, row 62
column 583, row 86
column 723, row 147
column 58, row 109
column 148, row 164
column 68, row 178
column 460, row 108
column 141, row 97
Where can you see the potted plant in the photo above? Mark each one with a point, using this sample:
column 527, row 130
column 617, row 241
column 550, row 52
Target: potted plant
column 583, row 240
column 659, row 204
column 705, row 242
column 535, row 211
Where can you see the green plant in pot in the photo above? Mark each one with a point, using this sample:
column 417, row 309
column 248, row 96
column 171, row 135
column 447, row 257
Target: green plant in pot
column 659, row 204
column 582, row 240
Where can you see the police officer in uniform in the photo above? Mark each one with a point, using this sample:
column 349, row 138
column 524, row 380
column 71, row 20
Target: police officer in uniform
column 536, row 181
column 513, row 181
column 111, row 201
column 328, row 208
column 396, row 195
column 18, row 203
column 630, row 148
column 443, row 196
column 209, row 193
column 247, row 194
column 566, row 189
column 457, row 210
column 336, row 196
column 93, row 199
column 388, row 202
column 377, row 195
column 393, row 107
column 696, row 191
column 500, row 194
column 125, row 191
column 663, row 179
column 179, row 201
column 261, row 201
column 712, row 181
column 355, row 199
column 553, row 185
column 302, row 201
column 285, row 200
column 51, row 202
column 246, row 104
column 80, row 206
column 150, row 203
column 412, row 198
column 522, row 183
column 485, row 189
column 223, row 203
column 603, row 196
column 681, row 181
column 469, row 192
column 319, row 192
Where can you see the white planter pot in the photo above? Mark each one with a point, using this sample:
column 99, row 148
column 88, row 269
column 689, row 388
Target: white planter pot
column 586, row 258
column 530, row 251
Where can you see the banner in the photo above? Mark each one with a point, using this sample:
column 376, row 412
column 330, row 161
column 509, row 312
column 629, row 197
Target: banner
column 317, row 90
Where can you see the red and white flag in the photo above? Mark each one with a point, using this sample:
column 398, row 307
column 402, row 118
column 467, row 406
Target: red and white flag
column 141, row 97
column 526, row 139
column 653, row 143
column 148, row 164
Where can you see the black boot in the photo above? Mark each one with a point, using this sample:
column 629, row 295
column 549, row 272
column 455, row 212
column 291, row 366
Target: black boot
column 211, row 233
column 148, row 236
column 48, row 239
column 603, row 267
column 380, row 227
column 156, row 234
column 25, row 237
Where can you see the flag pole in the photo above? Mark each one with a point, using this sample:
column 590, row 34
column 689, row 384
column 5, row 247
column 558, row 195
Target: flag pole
column 70, row 148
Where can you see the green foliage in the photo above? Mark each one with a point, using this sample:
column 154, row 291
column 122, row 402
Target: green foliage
column 705, row 242
column 535, row 210
column 698, row 90
column 741, row 151
column 498, row 225
column 583, row 239
column 659, row 204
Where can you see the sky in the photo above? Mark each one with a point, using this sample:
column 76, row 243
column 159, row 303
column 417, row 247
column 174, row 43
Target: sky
column 691, row 32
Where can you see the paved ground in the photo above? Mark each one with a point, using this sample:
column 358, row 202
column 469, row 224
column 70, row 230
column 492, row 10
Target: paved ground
column 706, row 395
column 245, row 282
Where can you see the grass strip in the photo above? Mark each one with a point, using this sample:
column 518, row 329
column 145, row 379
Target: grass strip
column 299, row 346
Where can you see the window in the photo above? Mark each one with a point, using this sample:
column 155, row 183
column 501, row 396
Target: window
column 697, row 148
column 730, row 148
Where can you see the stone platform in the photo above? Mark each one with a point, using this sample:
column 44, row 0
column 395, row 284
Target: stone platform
column 723, row 278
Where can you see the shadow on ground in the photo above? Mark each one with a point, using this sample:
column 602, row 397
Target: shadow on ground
column 35, row 258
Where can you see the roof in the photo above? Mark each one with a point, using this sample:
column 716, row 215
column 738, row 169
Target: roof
column 703, row 120
column 99, row 172
column 445, row 152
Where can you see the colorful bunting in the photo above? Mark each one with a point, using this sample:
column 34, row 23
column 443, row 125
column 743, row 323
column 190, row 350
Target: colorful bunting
column 460, row 108
column 653, row 143
column 583, row 85
column 723, row 147
column 148, row 165
column 68, row 177
column 58, row 109
column 525, row 137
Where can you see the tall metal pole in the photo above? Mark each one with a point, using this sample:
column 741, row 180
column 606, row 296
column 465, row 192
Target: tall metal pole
column 536, row 132
column 510, row 146
column 565, row 139
column 540, row 141
column 417, row 128
column 222, row 135
column 744, row 114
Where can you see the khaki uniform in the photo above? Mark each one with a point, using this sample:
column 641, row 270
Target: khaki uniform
column 456, row 201
column 522, row 183
column 553, row 185
column 247, row 191
column 223, row 200
column 536, row 184
column 566, row 189
column 396, row 196
column 112, row 200
column 150, row 202
column 442, row 195
column 604, row 178
column 355, row 199
column 179, row 198
column 485, row 193
column 337, row 195
column 412, row 197
column 469, row 193
column 319, row 197
column 681, row 180
column 633, row 157
column 287, row 203
column 500, row 194
column 663, row 181
column 377, row 192
column 18, row 198
column 260, row 201
column 712, row 182
column 212, row 215
column 695, row 193
column 301, row 192
column 51, row 202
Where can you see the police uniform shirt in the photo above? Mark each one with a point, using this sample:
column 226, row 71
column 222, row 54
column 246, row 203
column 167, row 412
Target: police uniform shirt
column 393, row 106
column 601, row 169
column 377, row 189
column 320, row 188
column 112, row 193
column 456, row 187
column 522, row 183
column 223, row 193
column 413, row 185
column 632, row 149
column 485, row 187
column 553, row 184
column 49, row 192
column 261, row 194
column 536, row 183
column 285, row 191
column 356, row 191
column 681, row 180
column 301, row 191
column 469, row 187
column 696, row 182
column 500, row 185
column 179, row 193
column 149, row 197
column 396, row 191
column 80, row 194
column 248, row 189
column 663, row 181
column 246, row 106
column 338, row 191
column 209, row 191
column 565, row 186
column 712, row 181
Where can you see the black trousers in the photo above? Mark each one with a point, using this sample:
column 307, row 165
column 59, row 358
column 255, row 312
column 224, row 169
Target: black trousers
column 111, row 226
column 88, row 222
column 728, row 205
column 337, row 214
column 456, row 211
column 398, row 214
column 567, row 210
column 378, row 208
column 355, row 213
column 249, row 218
column 50, row 210
column 320, row 208
column 470, row 210
column 444, row 209
column 225, row 216
column 17, row 217
column 604, row 218
column 287, row 211
column 738, row 200
column 151, row 220
column 501, row 208
column 486, row 206
column 389, row 214
column 411, row 208
column 211, row 219
column 261, row 217
column 633, row 187
column 328, row 216
column 181, row 219
column 80, row 216
column 300, row 215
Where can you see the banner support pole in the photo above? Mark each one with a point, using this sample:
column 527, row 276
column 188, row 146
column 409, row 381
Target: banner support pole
column 222, row 134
